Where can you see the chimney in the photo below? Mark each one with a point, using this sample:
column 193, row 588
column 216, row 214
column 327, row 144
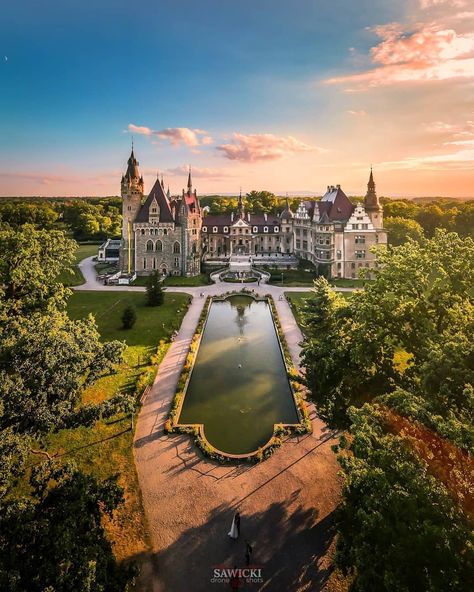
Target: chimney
column 232, row 216
column 338, row 186
column 329, row 189
column 248, row 216
column 265, row 216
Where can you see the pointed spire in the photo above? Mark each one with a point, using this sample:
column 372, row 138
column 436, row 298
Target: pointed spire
column 190, row 183
column 168, row 193
column 162, row 181
column 240, row 205
column 371, row 200
column 132, row 168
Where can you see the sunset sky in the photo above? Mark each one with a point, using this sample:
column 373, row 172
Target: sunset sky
column 258, row 94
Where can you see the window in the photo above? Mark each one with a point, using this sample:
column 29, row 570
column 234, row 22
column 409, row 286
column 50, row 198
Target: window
column 204, row 228
column 159, row 246
column 353, row 266
column 165, row 231
column 144, row 263
column 275, row 229
column 255, row 229
column 338, row 254
column 298, row 244
column 265, row 229
column 214, row 229
column 154, row 263
column 360, row 240
column 149, row 245
column 360, row 254
column 176, row 261
column 226, row 229
column 143, row 231
column 153, row 210
column 176, row 247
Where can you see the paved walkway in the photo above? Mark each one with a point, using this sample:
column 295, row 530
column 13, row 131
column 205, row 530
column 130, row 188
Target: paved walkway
column 286, row 503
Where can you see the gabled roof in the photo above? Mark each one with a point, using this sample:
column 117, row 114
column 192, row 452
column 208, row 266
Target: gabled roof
column 221, row 220
column 335, row 205
column 157, row 193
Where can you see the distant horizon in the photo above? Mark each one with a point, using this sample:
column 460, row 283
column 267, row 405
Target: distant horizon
column 291, row 195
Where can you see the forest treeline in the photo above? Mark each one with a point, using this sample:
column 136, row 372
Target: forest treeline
column 95, row 219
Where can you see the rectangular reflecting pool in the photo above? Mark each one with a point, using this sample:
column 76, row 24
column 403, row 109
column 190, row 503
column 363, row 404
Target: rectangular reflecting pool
column 239, row 387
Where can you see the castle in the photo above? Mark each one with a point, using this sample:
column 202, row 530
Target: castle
column 174, row 235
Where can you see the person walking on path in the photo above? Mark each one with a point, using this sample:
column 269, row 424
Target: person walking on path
column 248, row 553
column 235, row 527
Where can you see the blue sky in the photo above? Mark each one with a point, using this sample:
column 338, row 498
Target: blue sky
column 75, row 77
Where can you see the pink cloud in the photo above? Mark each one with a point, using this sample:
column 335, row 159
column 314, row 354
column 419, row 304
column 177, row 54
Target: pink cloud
column 261, row 147
column 175, row 135
column 429, row 53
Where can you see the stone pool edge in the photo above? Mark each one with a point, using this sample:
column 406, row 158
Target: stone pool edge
column 279, row 430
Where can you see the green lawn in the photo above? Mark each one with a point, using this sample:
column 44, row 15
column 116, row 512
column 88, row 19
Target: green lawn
column 107, row 448
column 177, row 280
column 291, row 277
column 75, row 277
column 349, row 283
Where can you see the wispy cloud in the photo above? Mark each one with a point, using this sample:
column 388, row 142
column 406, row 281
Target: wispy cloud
column 175, row 135
column 261, row 147
column 357, row 113
column 199, row 172
column 428, row 53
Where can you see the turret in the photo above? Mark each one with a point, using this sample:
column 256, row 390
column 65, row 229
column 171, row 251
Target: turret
column 372, row 205
column 132, row 188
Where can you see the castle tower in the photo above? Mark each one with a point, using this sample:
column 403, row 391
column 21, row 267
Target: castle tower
column 373, row 207
column 132, row 188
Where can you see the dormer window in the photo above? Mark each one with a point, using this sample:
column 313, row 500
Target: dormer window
column 275, row 229
column 226, row 229
column 255, row 228
column 265, row 229
column 214, row 229
column 204, row 228
column 153, row 210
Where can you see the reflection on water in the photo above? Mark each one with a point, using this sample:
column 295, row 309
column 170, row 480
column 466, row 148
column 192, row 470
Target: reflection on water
column 239, row 388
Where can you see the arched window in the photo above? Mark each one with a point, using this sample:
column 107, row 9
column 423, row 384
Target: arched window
column 149, row 245
column 165, row 231
column 143, row 231
column 265, row 229
column 255, row 228
column 159, row 246
column 176, row 247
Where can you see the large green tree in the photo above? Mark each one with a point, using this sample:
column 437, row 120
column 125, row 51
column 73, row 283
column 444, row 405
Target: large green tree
column 55, row 540
column 52, row 540
column 401, row 229
column 399, row 529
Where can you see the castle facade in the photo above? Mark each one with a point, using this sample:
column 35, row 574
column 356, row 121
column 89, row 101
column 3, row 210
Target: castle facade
column 174, row 235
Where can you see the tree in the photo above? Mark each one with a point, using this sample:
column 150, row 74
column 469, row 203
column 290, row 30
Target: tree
column 154, row 291
column 55, row 540
column 261, row 201
column 129, row 317
column 421, row 300
column 48, row 360
column 400, row 209
column 399, row 529
column 401, row 229
column 30, row 263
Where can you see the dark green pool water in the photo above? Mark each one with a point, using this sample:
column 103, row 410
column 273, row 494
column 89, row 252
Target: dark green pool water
column 238, row 387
